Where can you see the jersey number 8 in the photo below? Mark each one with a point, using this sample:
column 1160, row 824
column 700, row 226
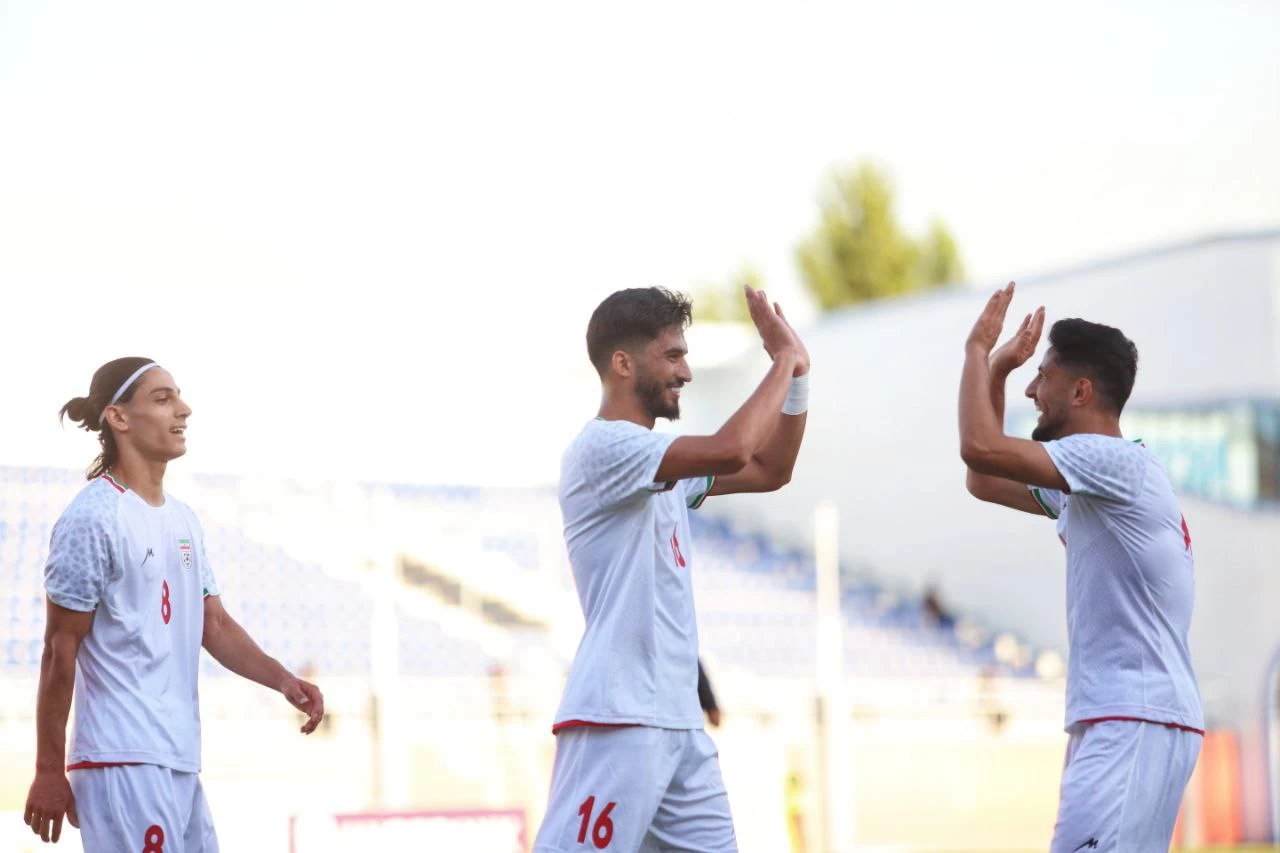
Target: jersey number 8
column 154, row 840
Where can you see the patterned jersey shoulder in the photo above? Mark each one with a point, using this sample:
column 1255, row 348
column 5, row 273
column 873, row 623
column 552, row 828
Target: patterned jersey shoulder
column 1100, row 466
column 82, row 547
column 617, row 460
column 97, row 504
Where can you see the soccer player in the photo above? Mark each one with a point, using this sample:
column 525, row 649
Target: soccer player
column 1133, row 718
column 634, row 769
column 131, row 598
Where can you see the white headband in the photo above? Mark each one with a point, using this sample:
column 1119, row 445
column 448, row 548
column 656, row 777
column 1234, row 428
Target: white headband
column 125, row 387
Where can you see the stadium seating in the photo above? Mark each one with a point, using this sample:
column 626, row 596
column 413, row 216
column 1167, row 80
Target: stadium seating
column 756, row 603
column 303, row 616
column 757, row 609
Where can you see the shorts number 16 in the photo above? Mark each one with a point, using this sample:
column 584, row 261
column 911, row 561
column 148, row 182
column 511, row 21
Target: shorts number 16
column 602, row 832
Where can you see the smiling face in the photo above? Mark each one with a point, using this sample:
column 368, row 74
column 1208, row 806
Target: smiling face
column 1052, row 390
column 154, row 420
column 661, row 370
column 1084, row 380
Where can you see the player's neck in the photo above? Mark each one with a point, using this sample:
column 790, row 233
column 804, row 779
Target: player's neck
column 145, row 477
column 624, row 407
column 1099, row 424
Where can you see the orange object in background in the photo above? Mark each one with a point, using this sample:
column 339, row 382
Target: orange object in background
column 1214, row 792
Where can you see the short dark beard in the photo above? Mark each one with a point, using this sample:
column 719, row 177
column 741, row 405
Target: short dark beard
column 651, row 395
column 1048, row 432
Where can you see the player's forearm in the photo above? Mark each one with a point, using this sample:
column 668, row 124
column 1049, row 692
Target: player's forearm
column 974, row 481
column 778, row 454
column 980, row 426
column 231, row 646
column 750, row 427
column 706, row 698
column 995, row 386
column 53, row 703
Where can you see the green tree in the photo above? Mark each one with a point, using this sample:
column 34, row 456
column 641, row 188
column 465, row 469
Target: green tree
column 859, row 251
column 724, row 303
column 940, row 262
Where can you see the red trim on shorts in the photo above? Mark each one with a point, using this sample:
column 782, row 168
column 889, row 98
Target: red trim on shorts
column 1142, row 720
column 93, row 765
column 569, row 724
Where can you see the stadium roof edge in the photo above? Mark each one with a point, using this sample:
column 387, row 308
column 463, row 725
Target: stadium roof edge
column 1109, row 262
column 1158, row 251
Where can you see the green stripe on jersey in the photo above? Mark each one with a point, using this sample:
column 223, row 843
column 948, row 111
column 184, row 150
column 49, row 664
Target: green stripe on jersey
column 702, row 496
column 1035, row 493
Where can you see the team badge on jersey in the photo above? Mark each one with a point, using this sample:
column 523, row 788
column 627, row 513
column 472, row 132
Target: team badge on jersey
column 184, row 551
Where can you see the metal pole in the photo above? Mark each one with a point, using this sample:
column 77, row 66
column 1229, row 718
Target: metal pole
column 391, row 784
column 833, row 708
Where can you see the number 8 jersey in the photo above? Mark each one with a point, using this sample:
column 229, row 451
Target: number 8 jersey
column 143, row 573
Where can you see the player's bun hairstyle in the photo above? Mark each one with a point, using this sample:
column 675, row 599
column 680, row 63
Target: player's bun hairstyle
column 1101, row 353
column 86, row 412
column 633, row 316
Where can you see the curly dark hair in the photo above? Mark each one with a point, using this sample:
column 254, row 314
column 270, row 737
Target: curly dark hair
column 633, row 317
column 86, row 412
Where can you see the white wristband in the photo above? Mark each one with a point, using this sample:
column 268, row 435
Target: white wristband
column 797, row 402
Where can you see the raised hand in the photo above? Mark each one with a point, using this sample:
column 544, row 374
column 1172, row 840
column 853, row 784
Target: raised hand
column 1015, row 352
column 802, row 363
column 986, row 331
column 775, row 333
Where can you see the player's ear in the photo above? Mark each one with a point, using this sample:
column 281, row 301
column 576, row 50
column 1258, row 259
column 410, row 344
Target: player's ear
column 114, row 415
column 1082, row 392
column 622, row 363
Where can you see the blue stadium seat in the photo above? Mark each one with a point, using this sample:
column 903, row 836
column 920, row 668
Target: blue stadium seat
column 756, row 601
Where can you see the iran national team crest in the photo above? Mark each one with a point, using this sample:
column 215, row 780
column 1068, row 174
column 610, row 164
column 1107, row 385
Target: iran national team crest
column 184, row 551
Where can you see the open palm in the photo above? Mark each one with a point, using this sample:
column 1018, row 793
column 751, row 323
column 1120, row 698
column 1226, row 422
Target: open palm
column 775, row 332
column 802, row 363
column 1015, row 352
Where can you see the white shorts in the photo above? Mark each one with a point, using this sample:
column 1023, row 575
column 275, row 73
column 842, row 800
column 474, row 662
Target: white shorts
column 636, row 788
column 1122, row 786
column 142, row 807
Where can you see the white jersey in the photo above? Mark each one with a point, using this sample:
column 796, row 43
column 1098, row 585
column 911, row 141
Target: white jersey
column 142, row 570
column 628, row 542
column 1130, row 584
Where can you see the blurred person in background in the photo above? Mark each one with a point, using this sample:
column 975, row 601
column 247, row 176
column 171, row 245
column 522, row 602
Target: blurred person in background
column 707, row 697
column 131, row 598
column 935, row 614
column 634, row 769
column 990, row 706
column 1134, row 717
column 795, row 812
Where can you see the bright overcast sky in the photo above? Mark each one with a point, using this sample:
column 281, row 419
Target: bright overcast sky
column 366, row 236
